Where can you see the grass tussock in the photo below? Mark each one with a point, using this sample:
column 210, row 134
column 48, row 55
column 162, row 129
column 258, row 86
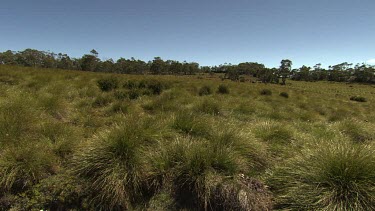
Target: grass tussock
column 112, row 164
column 334, row 175
column 24, row 165
column 205, row 90
column 208, row 174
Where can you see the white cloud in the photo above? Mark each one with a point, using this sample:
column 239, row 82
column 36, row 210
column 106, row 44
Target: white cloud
column 371, row 61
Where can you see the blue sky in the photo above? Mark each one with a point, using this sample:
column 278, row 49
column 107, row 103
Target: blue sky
column 206, row 31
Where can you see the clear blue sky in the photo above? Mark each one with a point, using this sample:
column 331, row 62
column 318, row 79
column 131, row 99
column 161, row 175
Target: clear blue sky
column 210, row 32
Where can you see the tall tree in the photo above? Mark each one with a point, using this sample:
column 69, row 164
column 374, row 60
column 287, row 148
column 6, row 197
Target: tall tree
column 284, row 70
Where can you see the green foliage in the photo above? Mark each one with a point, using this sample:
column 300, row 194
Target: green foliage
column 108, row 84
column 358, row 99
column 133, row 94
column 284, row 94
column 156, row 87
column 222, row 89
column 332, row 175
column 265, row 92
column 205, row 90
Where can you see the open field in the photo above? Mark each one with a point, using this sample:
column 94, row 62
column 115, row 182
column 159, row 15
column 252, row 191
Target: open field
column 166, row 143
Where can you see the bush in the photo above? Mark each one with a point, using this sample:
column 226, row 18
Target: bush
column 133, row 95
column 222, row 89
column 358, row 99
column 284, row 94
column 205, row 90
column 108, row 84
column 156, row 87
column 265, row 92
column 334, row 175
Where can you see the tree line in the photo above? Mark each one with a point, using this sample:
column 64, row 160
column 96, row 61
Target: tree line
column 344, row 72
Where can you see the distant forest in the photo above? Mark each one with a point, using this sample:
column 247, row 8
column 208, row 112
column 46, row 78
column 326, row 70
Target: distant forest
column 344, row 72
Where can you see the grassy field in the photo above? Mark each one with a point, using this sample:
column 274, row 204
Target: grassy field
column 82, row 140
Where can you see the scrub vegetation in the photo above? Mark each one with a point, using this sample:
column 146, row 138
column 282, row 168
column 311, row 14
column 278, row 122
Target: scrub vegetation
column 74, row 140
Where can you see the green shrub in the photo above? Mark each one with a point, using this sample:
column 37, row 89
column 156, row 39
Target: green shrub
column 133, row 94
column 156, row 87
column 205, row 90
column 329, row 175
column 358, row 99
column 108, row 84
column 284, row 94
column 222, row 89
column 265, row 92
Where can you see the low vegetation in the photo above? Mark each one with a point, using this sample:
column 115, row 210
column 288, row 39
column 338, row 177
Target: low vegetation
column 72, row 140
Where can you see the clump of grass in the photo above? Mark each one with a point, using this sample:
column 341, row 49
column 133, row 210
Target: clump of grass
column 358, row 99
column 133, row 94
column 17, row 118
column 205, row 90
column 23, row 165
column 131, row 84
column 355, row 130
column 265, row 92
column 273, row 132
column 284, row 94
column 102, row 100
column 156, row 87
column 120, row 107
column 108, row 84
column 335, row 175
column 120, row 95
column 222, row 89
column 190, row 124
column 209, row 107
column 203, row 174
column 112, row 164
column 164, row 102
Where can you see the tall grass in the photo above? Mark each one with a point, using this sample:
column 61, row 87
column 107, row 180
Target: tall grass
column 334, row 175
column 112, row 164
